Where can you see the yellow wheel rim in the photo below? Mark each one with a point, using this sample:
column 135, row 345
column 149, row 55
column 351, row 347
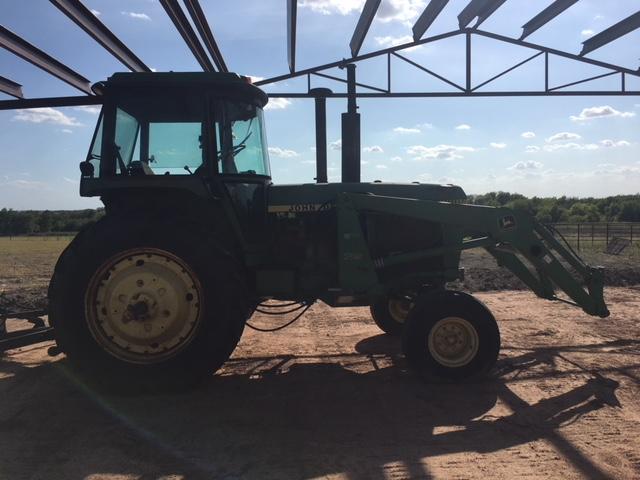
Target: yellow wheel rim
column 453, row 342
column 143, row 305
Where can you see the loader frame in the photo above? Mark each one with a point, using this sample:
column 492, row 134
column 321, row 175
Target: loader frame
column 516, row 240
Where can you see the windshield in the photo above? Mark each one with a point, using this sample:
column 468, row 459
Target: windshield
column 241, row 141
column 177, row 136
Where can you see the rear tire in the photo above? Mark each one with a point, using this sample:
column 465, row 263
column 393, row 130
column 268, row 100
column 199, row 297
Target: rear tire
column 124, row 331
column 451, row 336
column 390, row 313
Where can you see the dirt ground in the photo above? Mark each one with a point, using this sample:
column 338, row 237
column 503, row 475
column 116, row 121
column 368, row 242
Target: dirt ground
column 330, row 397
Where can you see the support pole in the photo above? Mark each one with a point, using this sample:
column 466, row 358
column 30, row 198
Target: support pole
column 320, row 95
column 351, row 132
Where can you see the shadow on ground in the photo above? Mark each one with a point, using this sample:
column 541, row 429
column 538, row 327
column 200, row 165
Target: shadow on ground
column 288, row 417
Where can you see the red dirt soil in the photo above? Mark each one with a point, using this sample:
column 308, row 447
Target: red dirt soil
column 330, row 397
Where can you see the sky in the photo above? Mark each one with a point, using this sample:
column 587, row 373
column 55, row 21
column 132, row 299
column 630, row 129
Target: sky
column 544, row 146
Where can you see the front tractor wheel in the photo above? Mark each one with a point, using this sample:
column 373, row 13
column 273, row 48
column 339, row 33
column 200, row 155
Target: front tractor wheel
column 390, row 313
column 451, row 336
column 146, row 305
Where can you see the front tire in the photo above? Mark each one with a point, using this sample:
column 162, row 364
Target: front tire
column 451, row 336
column 390, row 313
column 146, row 305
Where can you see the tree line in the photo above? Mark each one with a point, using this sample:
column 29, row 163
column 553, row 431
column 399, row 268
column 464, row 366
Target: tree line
column 32, row 222
column 620, row 208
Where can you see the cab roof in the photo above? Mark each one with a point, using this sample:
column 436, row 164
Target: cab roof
column 219, row 83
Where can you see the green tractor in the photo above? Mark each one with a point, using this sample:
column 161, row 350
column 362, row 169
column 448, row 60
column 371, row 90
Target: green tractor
column 196, row 237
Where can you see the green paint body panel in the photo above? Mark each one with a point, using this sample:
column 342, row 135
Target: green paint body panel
column 331, row 245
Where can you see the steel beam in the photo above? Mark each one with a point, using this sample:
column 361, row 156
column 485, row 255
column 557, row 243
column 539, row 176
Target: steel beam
column 545, row 16
column 364, row 22
column 482, row 9
column 612, row 33
column 40, row 59
column 10, row 87
column 189, row 36
column 429, row 15
column 82, row 16
column 292, row 20
column 200, row 21
column 51, row 102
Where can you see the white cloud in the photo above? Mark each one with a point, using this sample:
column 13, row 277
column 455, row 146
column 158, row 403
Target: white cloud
column 337, row 145
column 424, row 126
column 528, row 165
column 528, row 135
column 396, row 159
column 66, row 130
column 463, row 126
column 563, row 137
column 400, row 10
column 277, row 104
column 600, row 112
column 95, row 12
column 137, row 16
column 390, row 10
column 531, row 149
column 282, row 152
column 391, row 41
column 498, row 145
column 404, row 130
column 329, row 7
column 439, row 152
column 570, row 146
column 613, row 143
column 610, row 169
column 25, row 184
column 587, row 33
column 381, row 167
column 373, row 149
column 255, row 78
column 45, row 115
column 70, row 180
column 92, row 109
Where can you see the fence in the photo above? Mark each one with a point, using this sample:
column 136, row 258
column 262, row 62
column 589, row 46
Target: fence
column 597, row 236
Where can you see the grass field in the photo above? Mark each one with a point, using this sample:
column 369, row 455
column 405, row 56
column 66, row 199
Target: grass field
column 26, row 263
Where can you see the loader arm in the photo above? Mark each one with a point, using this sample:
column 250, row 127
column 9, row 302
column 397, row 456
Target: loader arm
column 514, row 238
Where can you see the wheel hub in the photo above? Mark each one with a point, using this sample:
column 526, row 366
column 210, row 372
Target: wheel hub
column 399, row 308
column 143, row 305
column 453, row 342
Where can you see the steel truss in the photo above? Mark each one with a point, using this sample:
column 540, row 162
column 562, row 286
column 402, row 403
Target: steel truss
column 469, row 89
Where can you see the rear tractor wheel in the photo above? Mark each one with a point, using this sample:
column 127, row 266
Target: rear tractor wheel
column 451, row 336
column 146, row 306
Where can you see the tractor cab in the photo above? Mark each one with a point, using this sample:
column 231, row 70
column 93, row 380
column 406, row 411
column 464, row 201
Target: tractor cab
column 159, row 126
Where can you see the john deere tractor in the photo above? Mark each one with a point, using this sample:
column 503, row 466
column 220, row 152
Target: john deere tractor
column 196, row 237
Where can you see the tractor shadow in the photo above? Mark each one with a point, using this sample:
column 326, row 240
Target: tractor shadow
column 283, row 417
